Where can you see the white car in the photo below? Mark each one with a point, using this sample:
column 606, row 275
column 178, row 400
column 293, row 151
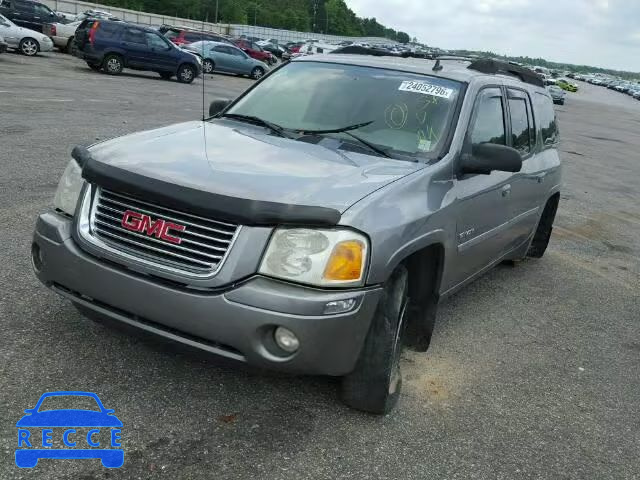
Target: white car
column 29, row 42
column 61, row 34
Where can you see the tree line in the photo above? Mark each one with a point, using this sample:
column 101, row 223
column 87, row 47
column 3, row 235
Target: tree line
column 317, row 16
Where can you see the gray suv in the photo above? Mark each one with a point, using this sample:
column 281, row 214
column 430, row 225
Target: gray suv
column 313, row 224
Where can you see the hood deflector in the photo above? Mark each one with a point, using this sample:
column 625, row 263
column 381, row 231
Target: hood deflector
column 221, row 207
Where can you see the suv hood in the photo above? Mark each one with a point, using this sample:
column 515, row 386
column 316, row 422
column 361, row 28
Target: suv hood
column 230, row 159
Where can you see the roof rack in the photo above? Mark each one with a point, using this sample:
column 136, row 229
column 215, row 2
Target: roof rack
column 490, row 66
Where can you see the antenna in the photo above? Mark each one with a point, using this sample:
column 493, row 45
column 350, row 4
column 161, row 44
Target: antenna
column 204, row 76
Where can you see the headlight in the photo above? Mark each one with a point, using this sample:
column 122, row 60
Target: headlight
column 69, row 188
column 317, row 257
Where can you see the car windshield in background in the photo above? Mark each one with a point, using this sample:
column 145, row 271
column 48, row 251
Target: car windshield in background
column 405, row 113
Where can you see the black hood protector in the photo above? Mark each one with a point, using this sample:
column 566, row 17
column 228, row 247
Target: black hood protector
column 232, row 209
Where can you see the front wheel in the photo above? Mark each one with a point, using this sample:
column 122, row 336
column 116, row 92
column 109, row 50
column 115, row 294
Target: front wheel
column 208, row 66
column 186, row 74
column 375, row 383
column 257, row 73
column 29, row 47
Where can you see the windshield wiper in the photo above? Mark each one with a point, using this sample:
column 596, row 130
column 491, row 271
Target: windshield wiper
column 371, row 146
column 336, row 130
column 258, row 121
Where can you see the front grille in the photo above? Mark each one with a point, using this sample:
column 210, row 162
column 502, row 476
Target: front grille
column 203, row 244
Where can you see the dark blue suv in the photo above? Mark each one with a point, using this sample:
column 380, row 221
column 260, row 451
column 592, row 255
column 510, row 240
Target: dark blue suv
column 114, row 45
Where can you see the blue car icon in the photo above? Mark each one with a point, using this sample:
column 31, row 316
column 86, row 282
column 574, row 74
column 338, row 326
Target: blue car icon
column 35, row 432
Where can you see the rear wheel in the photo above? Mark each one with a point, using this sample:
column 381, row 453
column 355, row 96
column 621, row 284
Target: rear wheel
column 29, row 47
column 186, row 74
column 545, row 226
column 113, row 64
column 208, row 66
column 374, row 385
column 257, row 73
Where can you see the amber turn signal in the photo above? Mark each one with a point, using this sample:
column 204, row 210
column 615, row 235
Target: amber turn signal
column 346, row 262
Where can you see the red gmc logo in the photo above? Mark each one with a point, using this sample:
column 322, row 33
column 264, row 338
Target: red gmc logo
column 139, row 222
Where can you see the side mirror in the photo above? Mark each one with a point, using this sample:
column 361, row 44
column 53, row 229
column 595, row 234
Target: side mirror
column 218, row 105
column 487, row 157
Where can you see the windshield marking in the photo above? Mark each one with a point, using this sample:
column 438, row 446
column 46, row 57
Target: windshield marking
column 425, row 88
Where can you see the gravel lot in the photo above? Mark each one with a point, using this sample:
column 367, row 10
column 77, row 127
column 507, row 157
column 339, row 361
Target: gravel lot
column 534, row 370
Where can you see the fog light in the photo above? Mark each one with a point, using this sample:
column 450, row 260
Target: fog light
column 339, row 306
column 286, row 339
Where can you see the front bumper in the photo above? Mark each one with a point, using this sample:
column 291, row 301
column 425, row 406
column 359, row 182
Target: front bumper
column 46, row 46
column 236, row 322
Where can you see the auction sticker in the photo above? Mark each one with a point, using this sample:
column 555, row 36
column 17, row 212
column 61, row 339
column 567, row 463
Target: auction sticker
column 425, row 89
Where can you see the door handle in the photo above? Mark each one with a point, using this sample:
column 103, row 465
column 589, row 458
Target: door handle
column 506, row 190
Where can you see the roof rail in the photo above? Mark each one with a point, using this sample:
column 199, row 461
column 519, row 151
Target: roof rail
column 493, row 66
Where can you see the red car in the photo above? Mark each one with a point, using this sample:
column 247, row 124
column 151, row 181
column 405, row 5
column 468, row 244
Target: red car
column 184, row 36
column 254, row 51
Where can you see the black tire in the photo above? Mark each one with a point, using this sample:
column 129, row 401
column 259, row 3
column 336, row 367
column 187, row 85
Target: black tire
column 70, row 46
column 166, row 75
column 543, row 232
column 94, row 66
column 208, row 66
column 29, row 47
column 113, row 64
column 257, row 73
column 186, row 73
column 375, row 383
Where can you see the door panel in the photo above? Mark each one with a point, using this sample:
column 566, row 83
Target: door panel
column 160, row 56
column 222, row 59
column 135, row 46
column 482, row 207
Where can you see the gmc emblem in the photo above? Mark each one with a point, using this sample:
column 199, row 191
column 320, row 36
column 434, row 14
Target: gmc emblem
column 139, row 222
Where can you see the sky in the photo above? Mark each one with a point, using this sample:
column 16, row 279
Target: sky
column 601, row 33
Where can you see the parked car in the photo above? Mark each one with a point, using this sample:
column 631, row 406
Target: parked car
column 62, row 35
column 565, row 85
column 255, row 51
column 97, row 14
column 185, row 36
column 222, row 57
column 28, row 42
column 3, row 45
column 307, row 226
column 273, row 48
column 115, row 45
column 29, row 14
column 557, row 94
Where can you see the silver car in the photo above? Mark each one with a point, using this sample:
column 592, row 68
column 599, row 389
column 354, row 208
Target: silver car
column 29, row 42
column 226, row 58
column 313, row 223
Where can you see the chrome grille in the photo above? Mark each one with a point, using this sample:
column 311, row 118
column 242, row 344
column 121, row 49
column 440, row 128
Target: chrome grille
column 203, row 244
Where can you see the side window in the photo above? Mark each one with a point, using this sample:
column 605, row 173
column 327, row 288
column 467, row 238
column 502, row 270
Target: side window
column 42, row 10
column 221, row 49
column 237, row 52
column 520, row 127
column 171, row 34
column 488, row 125
column 155, row 41
column 193, row 37
column 546, row 118
column 133, row 35
column 24, row 7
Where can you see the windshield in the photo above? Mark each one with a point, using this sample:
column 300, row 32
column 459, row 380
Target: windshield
column 406, row 113
column 65, row 402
